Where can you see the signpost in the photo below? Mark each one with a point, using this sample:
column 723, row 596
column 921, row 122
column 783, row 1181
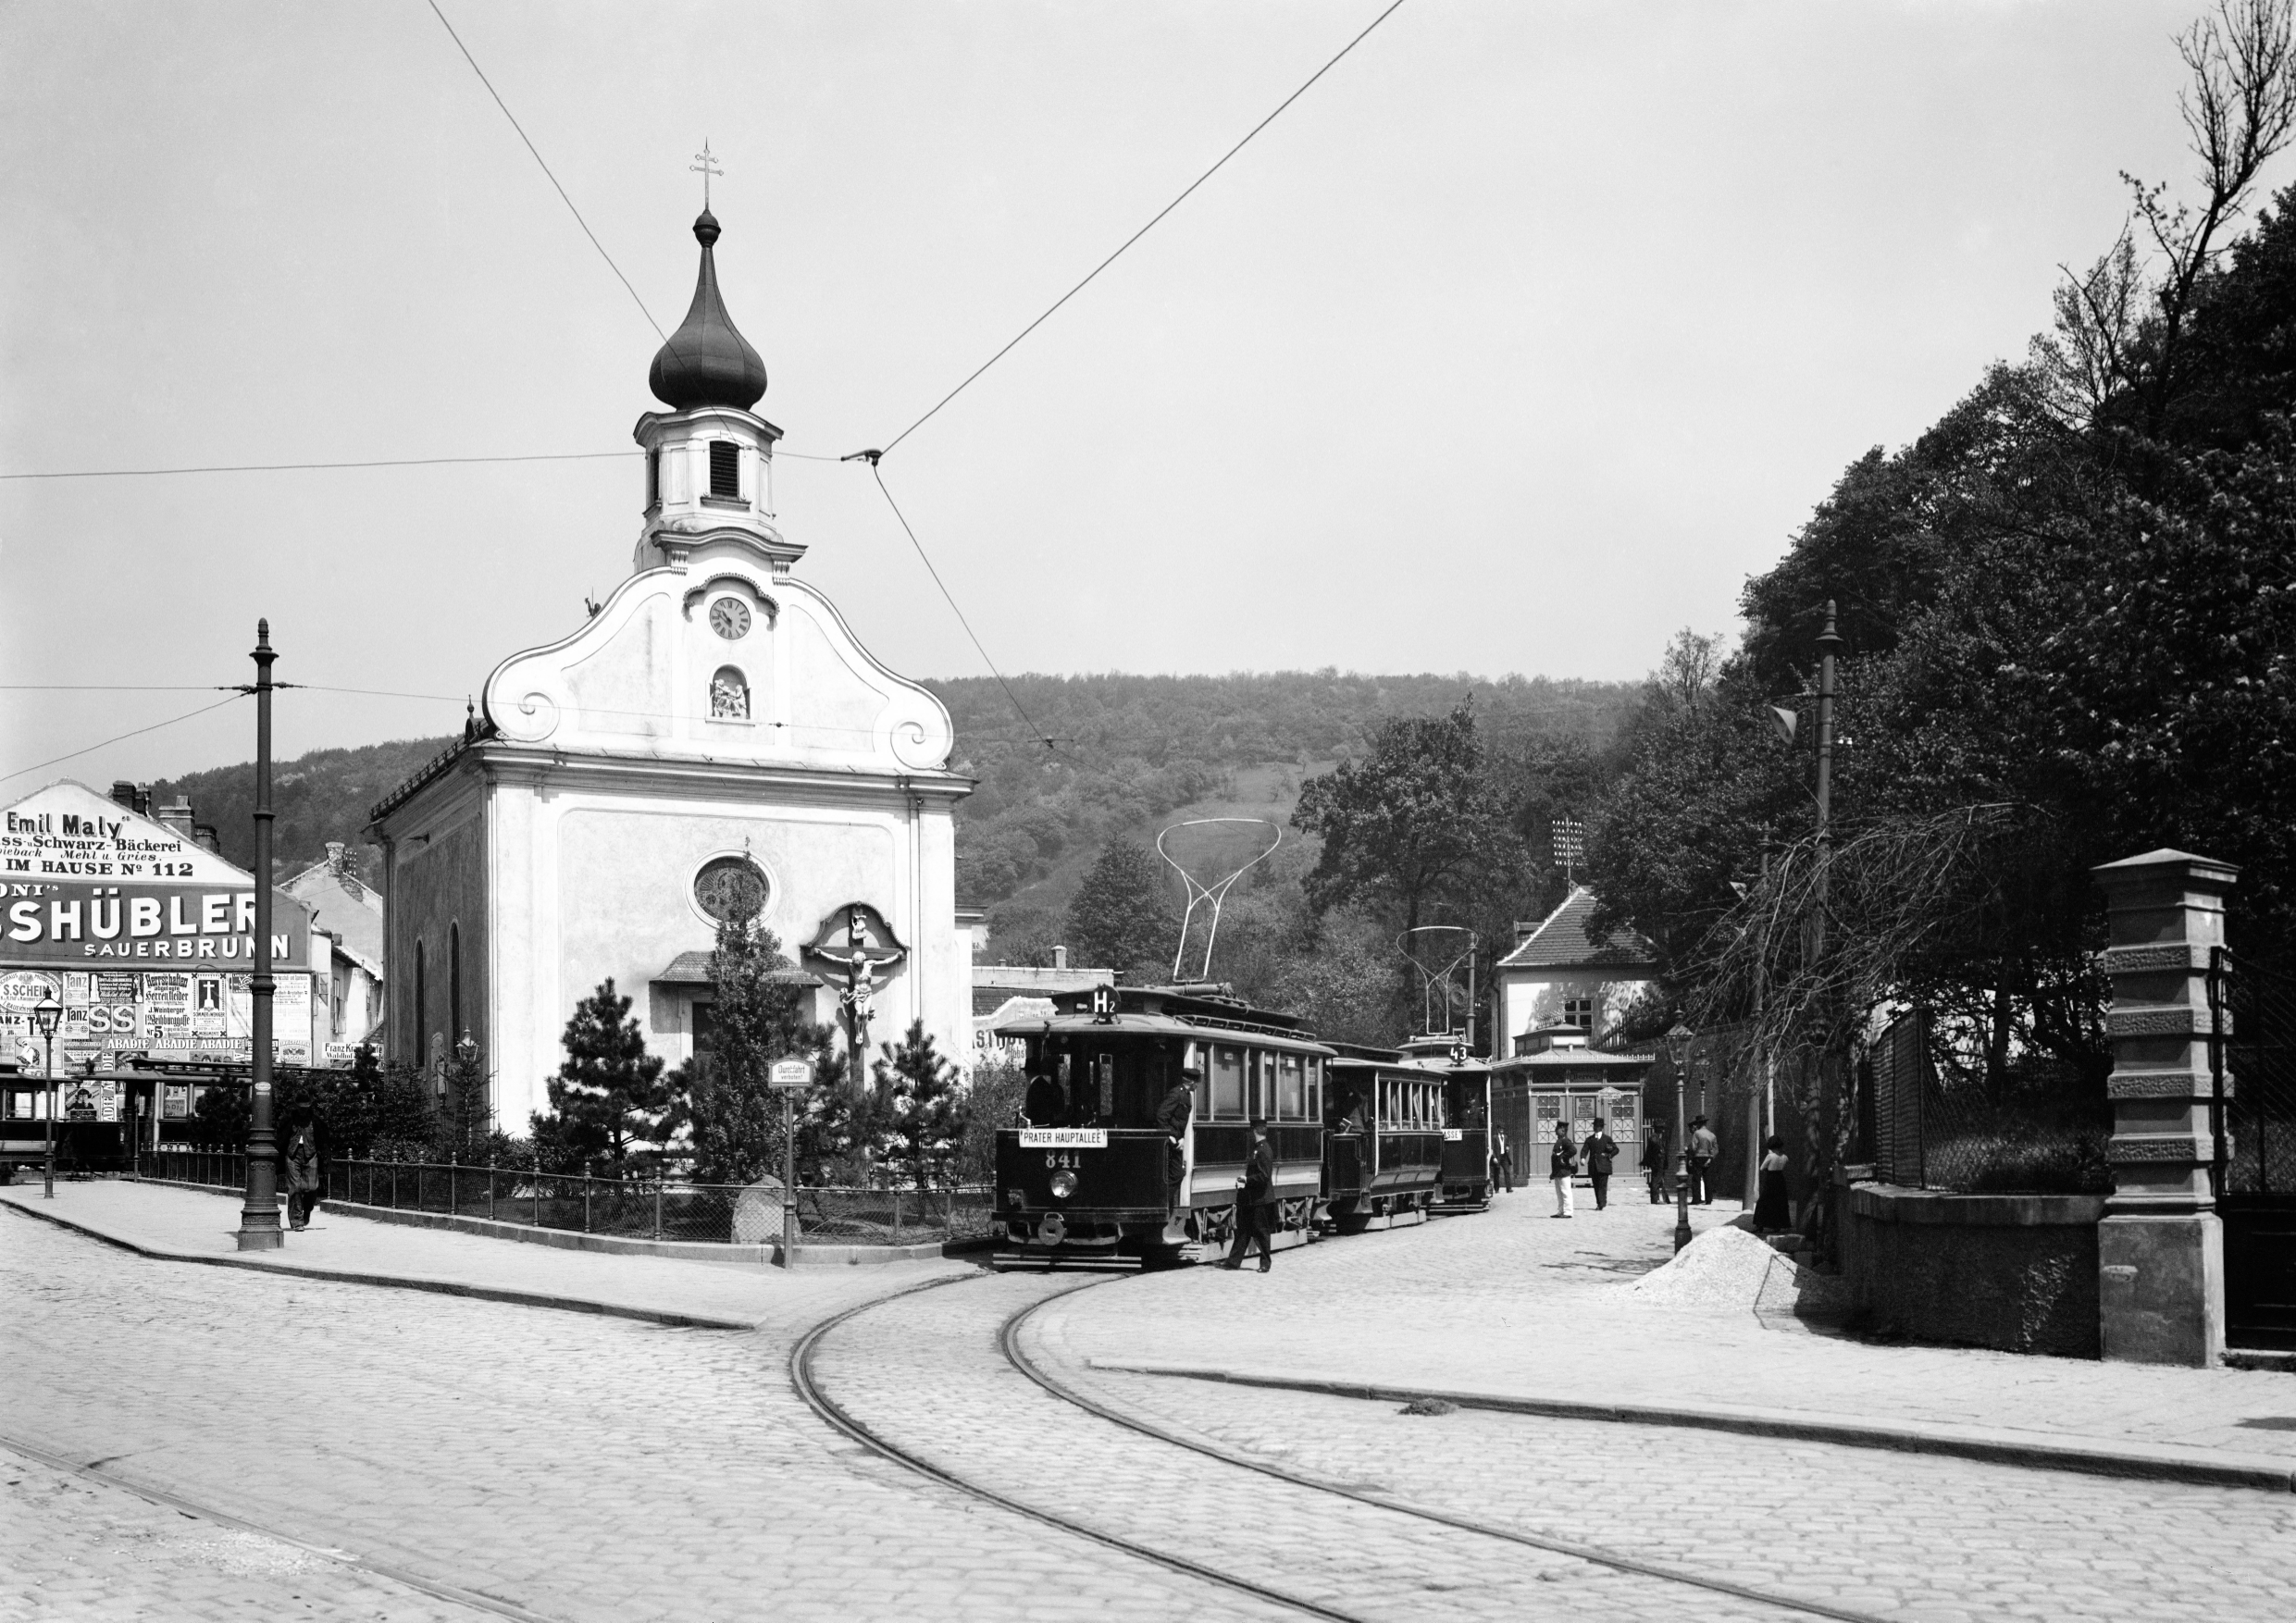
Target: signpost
column 788, row 1078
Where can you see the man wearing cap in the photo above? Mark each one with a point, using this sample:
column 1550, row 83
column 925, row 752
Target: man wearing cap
column 1252, row 1200
column 1173, row 1116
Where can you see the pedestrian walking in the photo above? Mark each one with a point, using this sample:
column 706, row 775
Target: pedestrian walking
column 1253, row 1201
column 1502, row 1162
column 1773, row 1212
column 1562, row 1166
column 1602, row 1154
column 302, row 1167
column 1654, row 1161
column 1702, row 1148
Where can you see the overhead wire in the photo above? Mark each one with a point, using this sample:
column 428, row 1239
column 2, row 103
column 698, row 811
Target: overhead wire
column 70, row 755
column 546, row 170
column 1144, row 229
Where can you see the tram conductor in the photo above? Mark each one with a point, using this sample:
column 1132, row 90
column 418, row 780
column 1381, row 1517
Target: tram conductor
column 1253, row 1200
column 1173, row 1116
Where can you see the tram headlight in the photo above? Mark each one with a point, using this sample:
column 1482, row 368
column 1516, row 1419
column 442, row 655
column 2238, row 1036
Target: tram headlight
column 1064, row 1184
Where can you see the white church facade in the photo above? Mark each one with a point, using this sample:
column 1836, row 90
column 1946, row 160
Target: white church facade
column 715, row 731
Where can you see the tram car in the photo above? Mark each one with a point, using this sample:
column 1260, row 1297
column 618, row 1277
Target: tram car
column 1385, row 1117
column 1091, row 1178
column 1467, row 1139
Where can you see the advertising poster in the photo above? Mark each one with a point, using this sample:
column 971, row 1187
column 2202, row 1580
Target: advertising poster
column 115, row 1018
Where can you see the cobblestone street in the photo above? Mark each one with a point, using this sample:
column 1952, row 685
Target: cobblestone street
column 322, row 1449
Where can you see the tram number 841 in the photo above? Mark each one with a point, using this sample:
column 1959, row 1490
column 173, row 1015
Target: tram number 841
column 1060, row 1159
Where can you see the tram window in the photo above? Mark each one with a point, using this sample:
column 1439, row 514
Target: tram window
column 1106, row 1068
column 1292, row 1097
column 1314, row 1069
column 1227, row 1083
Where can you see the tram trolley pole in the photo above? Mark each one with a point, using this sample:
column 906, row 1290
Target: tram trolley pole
column 789, row 1078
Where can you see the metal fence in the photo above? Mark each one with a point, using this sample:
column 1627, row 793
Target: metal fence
column 1940, row 1117
column 651, row 1209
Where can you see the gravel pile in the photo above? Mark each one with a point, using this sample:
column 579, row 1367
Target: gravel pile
column 1727, row 1268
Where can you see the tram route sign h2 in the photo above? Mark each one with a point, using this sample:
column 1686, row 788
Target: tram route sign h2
column 790, row 1076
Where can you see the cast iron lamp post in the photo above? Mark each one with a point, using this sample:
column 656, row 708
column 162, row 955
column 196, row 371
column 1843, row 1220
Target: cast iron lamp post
column 46, row 1015
column 1678, row 1043
column 259, row 1218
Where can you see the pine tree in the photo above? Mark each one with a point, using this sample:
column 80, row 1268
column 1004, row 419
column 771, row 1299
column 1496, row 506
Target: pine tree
column 729, row 1115
column 609, row 1095
column 1122, row 916
column 925, row 1112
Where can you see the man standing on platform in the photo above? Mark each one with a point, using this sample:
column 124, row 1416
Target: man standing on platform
column 1171, row 1117
column 1253, row 1200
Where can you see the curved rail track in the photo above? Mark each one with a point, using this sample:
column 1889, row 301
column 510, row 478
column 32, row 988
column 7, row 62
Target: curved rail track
column 804, row 1378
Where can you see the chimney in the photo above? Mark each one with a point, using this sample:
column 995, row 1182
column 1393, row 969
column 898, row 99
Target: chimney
column 177, row 817
column 334, row 855
column 123, row 793
column 1060, row 957
column 143, row 800
column 204, row 835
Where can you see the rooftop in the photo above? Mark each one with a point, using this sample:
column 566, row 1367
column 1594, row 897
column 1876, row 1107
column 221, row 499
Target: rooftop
column 1564, row 940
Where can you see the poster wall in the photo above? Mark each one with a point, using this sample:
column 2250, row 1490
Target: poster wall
column 118, row 1016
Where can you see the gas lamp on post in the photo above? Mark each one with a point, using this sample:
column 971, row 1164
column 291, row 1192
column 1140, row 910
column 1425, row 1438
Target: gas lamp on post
column 1678, row 1042
column 46, row 1015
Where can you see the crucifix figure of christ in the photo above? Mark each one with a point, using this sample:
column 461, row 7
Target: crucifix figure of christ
column 706, row 165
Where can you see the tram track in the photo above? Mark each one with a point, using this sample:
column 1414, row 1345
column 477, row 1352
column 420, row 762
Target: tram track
column 805, row 1379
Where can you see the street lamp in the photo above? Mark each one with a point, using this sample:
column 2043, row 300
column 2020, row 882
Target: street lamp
column 46, row 1015
column 1678, row 1043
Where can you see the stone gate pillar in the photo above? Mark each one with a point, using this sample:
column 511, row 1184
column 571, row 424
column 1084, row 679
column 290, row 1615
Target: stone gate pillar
column 2160, row 1248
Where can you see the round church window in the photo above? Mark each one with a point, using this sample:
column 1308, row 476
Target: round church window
column 730, row 887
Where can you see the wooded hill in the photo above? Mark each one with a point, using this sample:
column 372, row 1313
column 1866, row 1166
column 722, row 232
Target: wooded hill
column 1097, row 757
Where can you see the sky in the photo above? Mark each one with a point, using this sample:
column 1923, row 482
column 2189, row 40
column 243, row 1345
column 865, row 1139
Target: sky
column 1518, row 342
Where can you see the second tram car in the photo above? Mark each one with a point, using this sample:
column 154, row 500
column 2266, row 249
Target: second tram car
column 1383, row 1160
column 1091, row 1178
column 1467, row 1138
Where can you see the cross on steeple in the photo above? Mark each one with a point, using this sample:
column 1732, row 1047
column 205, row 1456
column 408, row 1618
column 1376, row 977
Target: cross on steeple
column 706, row 165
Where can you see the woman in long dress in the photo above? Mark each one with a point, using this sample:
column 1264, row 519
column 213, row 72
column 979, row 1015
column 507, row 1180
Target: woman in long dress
column 1773, row 1212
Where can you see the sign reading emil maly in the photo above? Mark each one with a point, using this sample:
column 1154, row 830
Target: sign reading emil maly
column 85, row 882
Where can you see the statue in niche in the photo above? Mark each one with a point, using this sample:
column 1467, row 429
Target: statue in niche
column 730, row 697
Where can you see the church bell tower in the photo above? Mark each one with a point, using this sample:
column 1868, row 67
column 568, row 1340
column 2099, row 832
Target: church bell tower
column 710, row 457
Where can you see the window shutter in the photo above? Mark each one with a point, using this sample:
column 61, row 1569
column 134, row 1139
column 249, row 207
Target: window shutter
column 725, row 468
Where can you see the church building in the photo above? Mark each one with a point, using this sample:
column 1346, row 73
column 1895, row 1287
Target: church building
column 713, row 738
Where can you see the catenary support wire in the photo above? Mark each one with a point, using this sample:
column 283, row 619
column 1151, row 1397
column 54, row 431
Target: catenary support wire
column 1144, row 230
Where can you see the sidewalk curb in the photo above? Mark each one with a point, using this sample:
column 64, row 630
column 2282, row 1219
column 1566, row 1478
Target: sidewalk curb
column 398, row 1282
column 767, row 1254
column 2142, row 1461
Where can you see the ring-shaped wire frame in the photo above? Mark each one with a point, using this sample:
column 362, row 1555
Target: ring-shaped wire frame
column 1216, row 892
column 1428, row 977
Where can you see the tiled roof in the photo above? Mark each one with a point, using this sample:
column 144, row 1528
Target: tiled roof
column 692, row 969
column 1563, row 941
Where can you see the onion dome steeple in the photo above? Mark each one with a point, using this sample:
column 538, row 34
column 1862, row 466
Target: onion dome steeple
column 706, row 362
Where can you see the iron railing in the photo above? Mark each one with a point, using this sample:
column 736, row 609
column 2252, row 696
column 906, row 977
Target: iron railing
column 637, row 1208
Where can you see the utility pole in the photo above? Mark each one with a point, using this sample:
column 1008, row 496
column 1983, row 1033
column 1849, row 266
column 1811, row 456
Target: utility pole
column 259, row 1218
column 1830, row 644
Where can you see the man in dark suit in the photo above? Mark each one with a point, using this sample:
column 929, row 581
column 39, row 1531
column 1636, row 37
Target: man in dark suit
column 1172, row 1117
column 1601, row 1152
column 1252, row 1202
